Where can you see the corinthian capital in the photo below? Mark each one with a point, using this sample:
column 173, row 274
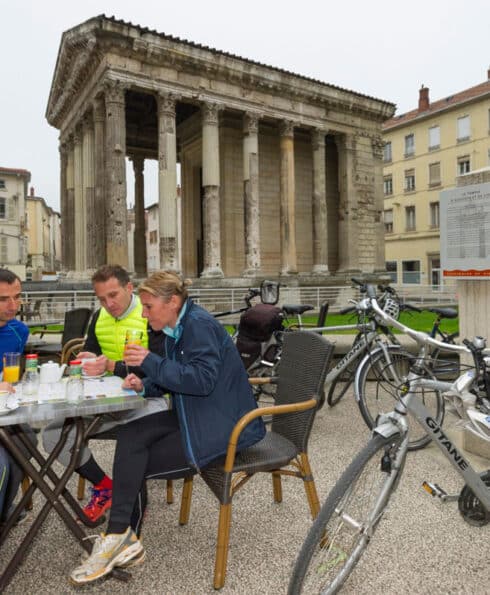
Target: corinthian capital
column 286, row 128
column 166, row 103
column 251, row 123
column 210, row 112
column 99, row 109
column 114, row 91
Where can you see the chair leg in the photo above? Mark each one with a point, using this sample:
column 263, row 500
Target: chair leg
column 185, row 504
column 222, row 545
column 277, row 486
column 81, row 488
column 309, row 484
column 25, row 486
column 170, row 491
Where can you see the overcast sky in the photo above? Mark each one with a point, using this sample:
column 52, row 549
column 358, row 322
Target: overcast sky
column 383, row 48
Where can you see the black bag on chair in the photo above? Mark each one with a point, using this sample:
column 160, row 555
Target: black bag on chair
column 256, row 327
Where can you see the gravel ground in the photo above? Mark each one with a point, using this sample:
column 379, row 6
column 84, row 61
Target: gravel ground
column 422, row 545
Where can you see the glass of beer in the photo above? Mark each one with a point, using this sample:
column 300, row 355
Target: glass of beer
column 11, row 367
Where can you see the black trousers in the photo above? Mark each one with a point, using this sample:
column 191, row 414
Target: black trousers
column 146, row 448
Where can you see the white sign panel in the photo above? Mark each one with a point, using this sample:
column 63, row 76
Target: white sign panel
column 465, row 232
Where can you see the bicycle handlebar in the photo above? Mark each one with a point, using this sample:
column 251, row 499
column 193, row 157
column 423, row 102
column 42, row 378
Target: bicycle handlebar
column 348, row 310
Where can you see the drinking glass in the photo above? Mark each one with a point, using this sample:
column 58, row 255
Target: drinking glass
column 11, row 367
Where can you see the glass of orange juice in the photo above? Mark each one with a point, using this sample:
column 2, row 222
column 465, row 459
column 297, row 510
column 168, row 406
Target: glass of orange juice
column 133, row 337
column 11, row 367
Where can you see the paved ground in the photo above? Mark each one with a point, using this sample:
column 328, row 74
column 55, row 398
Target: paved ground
column 421, row 545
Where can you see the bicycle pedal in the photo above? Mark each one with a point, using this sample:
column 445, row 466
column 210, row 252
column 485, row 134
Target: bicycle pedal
column 437, row 492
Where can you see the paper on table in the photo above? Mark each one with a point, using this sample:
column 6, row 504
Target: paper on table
column 109, row 386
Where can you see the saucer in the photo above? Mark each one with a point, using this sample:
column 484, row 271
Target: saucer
column 9, row 409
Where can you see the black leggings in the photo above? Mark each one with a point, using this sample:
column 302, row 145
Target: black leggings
column 147, row 448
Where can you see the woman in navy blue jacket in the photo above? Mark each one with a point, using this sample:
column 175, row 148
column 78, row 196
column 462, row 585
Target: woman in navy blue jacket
column 198, row 365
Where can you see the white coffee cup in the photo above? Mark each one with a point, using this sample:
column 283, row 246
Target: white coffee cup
column 4, row 395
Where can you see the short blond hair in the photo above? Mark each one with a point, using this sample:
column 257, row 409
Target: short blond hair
column 165, row 284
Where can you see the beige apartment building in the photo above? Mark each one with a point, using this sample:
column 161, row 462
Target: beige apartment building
column 13, row 239
column 43, row 229
column 425, row 151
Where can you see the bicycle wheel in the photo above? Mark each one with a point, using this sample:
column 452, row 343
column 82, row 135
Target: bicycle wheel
column 348, row 519
column 379, row 383
column 344, row 381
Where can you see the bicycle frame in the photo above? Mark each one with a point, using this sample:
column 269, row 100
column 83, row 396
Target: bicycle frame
column 355, row 352
column 395, row 422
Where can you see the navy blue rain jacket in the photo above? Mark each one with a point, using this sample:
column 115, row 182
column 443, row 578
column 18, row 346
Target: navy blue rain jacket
column 209, row 385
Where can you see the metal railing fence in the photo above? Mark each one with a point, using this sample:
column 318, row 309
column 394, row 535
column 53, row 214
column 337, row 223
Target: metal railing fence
column 55, row 303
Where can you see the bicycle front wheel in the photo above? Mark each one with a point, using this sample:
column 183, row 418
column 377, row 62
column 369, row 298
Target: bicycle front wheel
column 381, row 381
column 348, row 518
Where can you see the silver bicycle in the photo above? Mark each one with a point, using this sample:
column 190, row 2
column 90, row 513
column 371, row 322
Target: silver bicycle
column 354, row 508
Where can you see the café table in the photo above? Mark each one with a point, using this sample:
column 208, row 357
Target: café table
column 83, row 416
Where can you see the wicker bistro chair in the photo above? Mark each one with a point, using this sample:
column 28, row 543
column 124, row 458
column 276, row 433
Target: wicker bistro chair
column 283, row 450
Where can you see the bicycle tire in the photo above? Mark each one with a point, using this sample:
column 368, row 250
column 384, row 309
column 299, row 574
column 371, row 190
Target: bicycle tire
column 344, row 381
column 382, row 395
column 351, row 514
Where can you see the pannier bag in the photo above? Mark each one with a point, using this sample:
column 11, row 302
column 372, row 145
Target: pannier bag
column 256, row 327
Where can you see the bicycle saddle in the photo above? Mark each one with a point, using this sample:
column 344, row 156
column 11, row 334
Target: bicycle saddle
column 296, row 309
column 444, row 312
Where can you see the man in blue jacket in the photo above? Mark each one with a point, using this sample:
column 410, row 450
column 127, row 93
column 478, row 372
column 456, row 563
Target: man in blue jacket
column 198, row 364
column 13, row 337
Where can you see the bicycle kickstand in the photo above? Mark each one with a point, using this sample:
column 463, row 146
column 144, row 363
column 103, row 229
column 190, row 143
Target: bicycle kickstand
column 436, row 491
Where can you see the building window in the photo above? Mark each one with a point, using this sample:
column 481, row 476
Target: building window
column 435, row 174
column 463, row 165
column 409, row 145
column 434, row 214
column 153, row 237
column 388, row 185
column 391, row 270
column 388, row 220
column 409, row 180
column 434, row 138
column 3, row 208
column 411, row 271
column 2, row 184
column 387, row 152
column 409, row 218
column 463, row 128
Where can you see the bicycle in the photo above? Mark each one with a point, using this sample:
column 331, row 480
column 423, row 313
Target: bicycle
column 369, row 329
column 354, row 508
column 390, row 363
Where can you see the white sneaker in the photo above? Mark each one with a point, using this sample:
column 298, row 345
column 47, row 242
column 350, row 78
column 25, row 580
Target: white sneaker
column 109, row 551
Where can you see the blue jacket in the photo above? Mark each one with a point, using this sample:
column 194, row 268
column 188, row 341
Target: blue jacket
column 203, row 371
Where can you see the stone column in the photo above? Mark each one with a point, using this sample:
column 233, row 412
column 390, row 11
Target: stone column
column 68, row 218
column 377, row 145
column 251, row 194
column 167, row 181
column 63, row 149
column 287, row 200
column 79, row 204
column 348, row 205
column 116, row 208
column 211, row 183
column 139, row 218
column 99, row 181
column 89, row 191
column 320, row 243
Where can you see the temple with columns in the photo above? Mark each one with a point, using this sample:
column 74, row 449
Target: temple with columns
column 281, row 175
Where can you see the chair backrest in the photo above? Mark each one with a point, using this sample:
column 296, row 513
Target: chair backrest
column 76, row 324
column 304, row 364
